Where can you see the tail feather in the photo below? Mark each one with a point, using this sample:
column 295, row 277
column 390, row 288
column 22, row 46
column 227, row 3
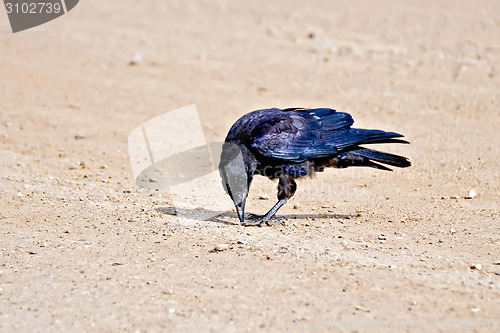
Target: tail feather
column 382, row 157
column 358, row 137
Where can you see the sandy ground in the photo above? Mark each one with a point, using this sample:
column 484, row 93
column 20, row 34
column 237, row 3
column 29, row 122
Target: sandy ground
column 359, row 248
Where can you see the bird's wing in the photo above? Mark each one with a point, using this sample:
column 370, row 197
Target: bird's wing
column 300, row 134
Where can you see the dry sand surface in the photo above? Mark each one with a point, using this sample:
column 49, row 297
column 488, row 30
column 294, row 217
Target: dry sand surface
column 82, row 248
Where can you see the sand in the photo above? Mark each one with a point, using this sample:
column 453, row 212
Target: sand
column 82, row 248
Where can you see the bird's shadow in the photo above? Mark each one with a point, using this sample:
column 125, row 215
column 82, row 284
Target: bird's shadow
column 202, row 214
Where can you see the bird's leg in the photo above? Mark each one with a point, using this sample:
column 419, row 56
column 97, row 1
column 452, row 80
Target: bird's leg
column 270, row 214
column 261, row 220
column 286, row 189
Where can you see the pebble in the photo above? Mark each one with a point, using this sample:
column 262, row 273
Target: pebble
column 360, row 308
column 136, row 59
column 80, row 136
column 496, row 262
column 72, row 167
column 471, row 194
column 296, row 206
column 476, row 267
column 221, row 247
column 452, row 231
column 263, row 197
column 272, row 31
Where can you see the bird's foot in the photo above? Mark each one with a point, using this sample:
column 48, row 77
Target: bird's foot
column 276, row 220
column 255, row 223
column 254, row 217
column 259, row 221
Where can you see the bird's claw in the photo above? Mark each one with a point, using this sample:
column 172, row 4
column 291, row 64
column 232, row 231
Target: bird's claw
column 256, row 223
column 254, row 217
column 259, row 221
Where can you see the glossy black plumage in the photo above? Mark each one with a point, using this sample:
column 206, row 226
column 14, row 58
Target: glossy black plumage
column 294, row 143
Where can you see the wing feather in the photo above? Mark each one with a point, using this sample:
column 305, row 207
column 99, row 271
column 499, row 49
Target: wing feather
column 298, row 134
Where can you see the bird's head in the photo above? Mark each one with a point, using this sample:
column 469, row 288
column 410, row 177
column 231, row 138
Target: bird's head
column 235, row 179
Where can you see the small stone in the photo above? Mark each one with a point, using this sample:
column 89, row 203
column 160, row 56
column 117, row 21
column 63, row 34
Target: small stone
column 381, row 237
column 296, row 206
column 136, row 59
column 496, row 262
column 171, row 310
column 80, row 136
column 104, row 166
column 471, row 194
column 454, row 197
column 221, row 247
column 263, row 197
column 477, row 267
column 475, row 309
column 72, row 167
column 360, row 308
column 272, row 31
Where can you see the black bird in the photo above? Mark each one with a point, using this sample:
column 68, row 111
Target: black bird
column 293, row 143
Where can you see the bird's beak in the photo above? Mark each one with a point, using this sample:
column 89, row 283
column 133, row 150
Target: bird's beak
column 240, row 209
